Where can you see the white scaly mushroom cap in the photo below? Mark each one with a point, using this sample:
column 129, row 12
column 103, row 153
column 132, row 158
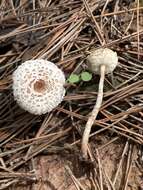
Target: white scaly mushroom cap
column 100, row 57
column 38, row 86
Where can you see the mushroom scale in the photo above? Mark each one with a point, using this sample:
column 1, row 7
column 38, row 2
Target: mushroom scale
column 38, row 86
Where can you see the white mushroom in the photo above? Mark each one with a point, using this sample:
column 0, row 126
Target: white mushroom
column 38, row 86
column 101, row 61
column 100, row 57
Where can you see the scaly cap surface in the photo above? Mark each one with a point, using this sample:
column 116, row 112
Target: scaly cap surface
column 100, row 57
column 38, row 86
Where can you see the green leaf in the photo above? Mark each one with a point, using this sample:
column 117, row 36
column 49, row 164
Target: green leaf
column 74, row 78
column 86, row 76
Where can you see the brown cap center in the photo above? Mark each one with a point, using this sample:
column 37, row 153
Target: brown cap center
column 40, row 86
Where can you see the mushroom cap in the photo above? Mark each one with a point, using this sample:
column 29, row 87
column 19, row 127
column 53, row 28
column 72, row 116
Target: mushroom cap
column 38, row 86
column 103, row 56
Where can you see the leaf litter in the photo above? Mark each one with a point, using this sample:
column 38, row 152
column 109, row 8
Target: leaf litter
column 44, row 152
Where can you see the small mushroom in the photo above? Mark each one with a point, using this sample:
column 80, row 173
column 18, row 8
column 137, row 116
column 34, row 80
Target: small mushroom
column 38, row 86
column 101, row 61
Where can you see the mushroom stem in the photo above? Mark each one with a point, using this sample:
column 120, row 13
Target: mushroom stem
column 94, row 113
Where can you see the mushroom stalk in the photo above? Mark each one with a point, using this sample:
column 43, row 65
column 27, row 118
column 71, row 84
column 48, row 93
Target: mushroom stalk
column 94, row 113
column 101, row 61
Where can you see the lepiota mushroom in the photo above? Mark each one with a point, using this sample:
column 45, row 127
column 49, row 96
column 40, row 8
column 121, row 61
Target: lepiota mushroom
column 101, row 61
column 38, row 86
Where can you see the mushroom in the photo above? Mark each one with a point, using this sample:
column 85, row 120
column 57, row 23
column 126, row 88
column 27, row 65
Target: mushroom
column 38, row 86
column 101, row 61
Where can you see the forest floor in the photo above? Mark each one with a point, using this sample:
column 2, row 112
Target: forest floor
column 44, row 152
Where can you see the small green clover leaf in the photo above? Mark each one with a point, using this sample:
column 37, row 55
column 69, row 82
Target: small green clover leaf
column 86, row 76
column 73, row 78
